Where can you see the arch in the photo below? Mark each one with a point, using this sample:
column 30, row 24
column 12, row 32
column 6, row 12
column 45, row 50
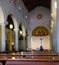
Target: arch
column 20, row 32
column 23, row 29
column 40, row 31
column 2, row 13
column 2, row 29
column 21, row 35
column 11, row 33
column 26, row 40
column 12, row 20
column 15, row 23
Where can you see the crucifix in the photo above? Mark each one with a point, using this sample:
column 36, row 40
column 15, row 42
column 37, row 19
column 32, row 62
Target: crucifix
column 40, row 34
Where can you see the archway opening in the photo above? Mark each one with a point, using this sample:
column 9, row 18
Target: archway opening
column 40, row 38
column 26, row 40
column 20, row 37
column 10, row 34
column 2, row 24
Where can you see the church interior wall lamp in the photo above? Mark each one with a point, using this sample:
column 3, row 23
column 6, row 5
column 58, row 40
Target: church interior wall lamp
column 21, row 35
column 21, row 32
column 10, row 22
column 11, row 26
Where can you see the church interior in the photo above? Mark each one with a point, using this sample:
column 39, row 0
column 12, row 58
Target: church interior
column 29, row 32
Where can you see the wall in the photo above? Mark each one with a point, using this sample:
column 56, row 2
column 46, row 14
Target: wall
column 34, row 22
column 23, row 12
column 57, row 27
column 0, row 38
column 53, row 26
column 44, row 21
column 10, row 39
column 36, row 42
column 9, row 8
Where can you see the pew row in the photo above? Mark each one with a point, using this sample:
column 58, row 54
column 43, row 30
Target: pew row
column 32, row 62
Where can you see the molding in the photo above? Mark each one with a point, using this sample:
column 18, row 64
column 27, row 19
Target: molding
column 39, row 16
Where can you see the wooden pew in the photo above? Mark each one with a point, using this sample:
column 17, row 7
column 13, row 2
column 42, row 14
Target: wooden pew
column 30, row 59
column 29, row 55
column 0, row 63
column 31, row 62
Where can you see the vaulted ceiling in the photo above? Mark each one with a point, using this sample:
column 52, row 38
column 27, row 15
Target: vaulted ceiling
column 31, row 4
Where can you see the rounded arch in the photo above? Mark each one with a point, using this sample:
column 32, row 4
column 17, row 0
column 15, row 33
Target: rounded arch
column 40, row 31
column 12, row 20
column 15, row 23
column 21, row 35
column 20, row 32
column 21, row 27
column 2, row 13
column 11, row 33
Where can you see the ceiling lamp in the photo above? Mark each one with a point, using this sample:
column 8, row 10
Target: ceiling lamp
column 12, row 43
column 20, row 31
column 11, row 26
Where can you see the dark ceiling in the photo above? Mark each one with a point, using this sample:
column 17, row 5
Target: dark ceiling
column 31, row 4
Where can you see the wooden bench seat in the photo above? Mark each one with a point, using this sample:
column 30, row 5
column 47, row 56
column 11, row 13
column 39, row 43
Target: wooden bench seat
column 31, row 62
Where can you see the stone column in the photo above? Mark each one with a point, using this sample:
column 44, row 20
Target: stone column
column 23, row 43
column 16, row 40
column 3, row 37
column 57, row 28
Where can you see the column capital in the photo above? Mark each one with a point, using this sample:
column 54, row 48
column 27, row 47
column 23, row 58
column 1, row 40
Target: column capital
column 2, row 24
column 16, row 30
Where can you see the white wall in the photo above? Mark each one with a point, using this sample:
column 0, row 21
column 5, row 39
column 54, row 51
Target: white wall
column 57, row 28
column 9, row 8
column 23, row 11
column 53, row 25
column 34, row 22
column 36, row 42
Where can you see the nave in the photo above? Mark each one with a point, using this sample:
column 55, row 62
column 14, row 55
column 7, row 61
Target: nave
column 29, row 34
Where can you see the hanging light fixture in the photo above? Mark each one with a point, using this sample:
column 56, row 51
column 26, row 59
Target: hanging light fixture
column 11, row 26
column 20, row 31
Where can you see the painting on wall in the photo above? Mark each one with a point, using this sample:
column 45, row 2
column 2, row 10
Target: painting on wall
column 40, row 31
